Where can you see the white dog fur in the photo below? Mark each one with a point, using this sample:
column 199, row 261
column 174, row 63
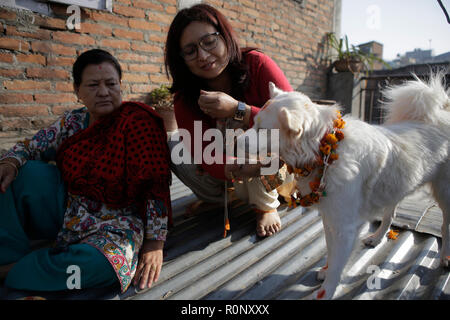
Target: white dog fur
column 378, row 165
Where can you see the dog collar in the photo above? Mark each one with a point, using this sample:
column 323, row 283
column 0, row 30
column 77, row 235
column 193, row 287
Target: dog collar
column 326, row 156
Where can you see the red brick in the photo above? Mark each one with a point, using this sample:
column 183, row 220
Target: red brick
column 145, row 4
column 59, row 110
column 109, row 18
column 145, row 68
column 64, row 86
column 60, row 61
column 95, row 28
column 117, row 44
column 50, row 23
column 133, row 77
column 10, row 73
column 7, row 15
column 71, row 37
column 6, row 57
column 144, row 25
column 157, row 38
column 141, row 88
column 135, row 35
column 27, row 85
column 47, row 73
column 146, row 47
column 158, row 78
column 159, row 17
column 14, row 44
column 128, row 11
column 23, row 111
column 31, row 58
column 14, row 124
column 11, row 98
column 171, row 10
column 47, row 47
column 131, row 57
column 34, row 33
column 55, row 97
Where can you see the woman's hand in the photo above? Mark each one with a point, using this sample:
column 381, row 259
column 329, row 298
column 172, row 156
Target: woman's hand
column 150, row 263
column 241, row 171
column 216, row 104
column 7, row 173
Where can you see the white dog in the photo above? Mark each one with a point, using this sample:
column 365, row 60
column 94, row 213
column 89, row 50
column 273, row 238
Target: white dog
column 377, row 166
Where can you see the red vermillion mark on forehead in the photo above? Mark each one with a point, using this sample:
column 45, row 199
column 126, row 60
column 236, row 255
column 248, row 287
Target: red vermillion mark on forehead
column 99, row 67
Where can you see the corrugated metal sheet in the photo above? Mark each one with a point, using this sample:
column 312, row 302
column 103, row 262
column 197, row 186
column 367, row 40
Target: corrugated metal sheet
column 201, row 264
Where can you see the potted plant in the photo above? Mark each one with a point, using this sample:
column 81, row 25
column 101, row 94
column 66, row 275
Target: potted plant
column 161, row 99
column 350, row 58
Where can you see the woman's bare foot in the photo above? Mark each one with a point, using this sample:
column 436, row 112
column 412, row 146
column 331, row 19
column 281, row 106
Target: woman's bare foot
column 267, row 222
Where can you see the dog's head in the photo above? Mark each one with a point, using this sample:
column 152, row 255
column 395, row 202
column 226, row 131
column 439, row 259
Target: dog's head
column 288, row 117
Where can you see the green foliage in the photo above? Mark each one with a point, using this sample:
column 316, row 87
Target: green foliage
column 351, row 53
column 160, row 97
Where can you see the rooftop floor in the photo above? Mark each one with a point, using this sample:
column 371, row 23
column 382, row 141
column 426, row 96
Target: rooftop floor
column 200, row 264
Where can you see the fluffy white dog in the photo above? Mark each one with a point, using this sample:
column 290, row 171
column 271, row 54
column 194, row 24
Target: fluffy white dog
column 372, row 167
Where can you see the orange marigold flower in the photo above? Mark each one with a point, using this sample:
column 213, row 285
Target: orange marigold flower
column 325, row 149
column 314, row 185
column 315, row 197
column 334, row 156
column 305, row 202
column 393, row 235
column 331, row 138
column 339, row 135
column 339, row 123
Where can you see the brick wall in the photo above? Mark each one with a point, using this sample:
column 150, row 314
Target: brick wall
column 37, row 52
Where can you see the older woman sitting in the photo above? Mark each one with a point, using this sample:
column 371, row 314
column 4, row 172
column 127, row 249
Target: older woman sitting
column 107, row 203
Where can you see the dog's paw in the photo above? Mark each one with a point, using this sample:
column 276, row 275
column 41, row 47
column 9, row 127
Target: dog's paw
column 445, row 261
column 372, row 241
column 322, row 273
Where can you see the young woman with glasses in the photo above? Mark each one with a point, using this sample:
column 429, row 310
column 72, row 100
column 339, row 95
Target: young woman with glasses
column 213, row 80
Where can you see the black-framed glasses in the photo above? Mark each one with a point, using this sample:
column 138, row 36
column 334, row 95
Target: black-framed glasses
column 208, row 42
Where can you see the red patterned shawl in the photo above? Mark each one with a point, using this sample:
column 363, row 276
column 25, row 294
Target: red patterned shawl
column 120, row 160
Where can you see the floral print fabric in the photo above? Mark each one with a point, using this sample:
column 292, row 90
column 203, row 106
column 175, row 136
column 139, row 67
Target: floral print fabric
column 117, row 232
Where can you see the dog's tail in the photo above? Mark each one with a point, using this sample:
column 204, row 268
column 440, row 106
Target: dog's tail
column 417, row 100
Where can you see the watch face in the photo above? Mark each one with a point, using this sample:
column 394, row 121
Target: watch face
column 240, row 111
column 241, row 106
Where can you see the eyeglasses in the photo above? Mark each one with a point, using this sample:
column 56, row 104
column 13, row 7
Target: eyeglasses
column 208, row 42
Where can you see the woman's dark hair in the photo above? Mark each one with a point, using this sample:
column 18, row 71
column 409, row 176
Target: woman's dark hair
column 184, row 81
column 94, row 56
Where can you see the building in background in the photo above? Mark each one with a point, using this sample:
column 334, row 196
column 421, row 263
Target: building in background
column 419, row 56
column 375, row 48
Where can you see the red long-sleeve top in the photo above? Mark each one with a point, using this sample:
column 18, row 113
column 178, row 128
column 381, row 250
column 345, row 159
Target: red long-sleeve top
column 262, row 70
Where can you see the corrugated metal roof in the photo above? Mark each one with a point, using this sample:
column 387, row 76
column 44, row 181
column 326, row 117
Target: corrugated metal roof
column 200, row 264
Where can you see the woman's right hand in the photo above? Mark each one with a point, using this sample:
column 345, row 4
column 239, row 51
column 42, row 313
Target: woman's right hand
column 7, row 175
column 241, row 171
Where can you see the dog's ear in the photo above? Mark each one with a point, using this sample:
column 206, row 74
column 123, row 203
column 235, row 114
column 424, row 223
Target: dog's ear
column 274, row 91
column 288, row 124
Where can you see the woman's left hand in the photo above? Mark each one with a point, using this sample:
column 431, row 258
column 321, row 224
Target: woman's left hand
column 217, row 104
column 150, row 263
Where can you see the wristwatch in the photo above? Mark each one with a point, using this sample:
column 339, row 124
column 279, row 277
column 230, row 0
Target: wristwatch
column 240, row 111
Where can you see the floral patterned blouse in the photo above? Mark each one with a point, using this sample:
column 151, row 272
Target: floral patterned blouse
column 117, row 233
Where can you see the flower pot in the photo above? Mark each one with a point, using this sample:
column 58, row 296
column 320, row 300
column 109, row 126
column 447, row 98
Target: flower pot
column 346, row 65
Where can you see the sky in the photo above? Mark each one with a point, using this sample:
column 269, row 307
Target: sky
column 400, row 25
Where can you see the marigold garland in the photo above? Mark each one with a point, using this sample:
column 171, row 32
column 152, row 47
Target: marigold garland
column 327, row 155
